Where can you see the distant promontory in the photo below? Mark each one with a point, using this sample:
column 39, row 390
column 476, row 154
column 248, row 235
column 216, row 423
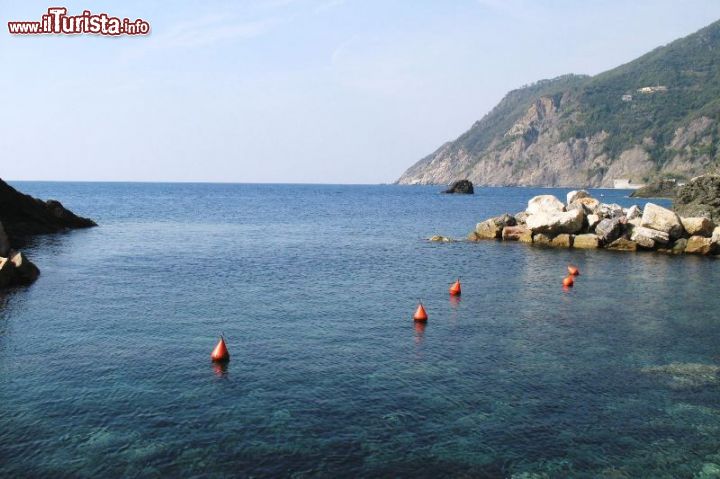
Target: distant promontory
column 655, row 117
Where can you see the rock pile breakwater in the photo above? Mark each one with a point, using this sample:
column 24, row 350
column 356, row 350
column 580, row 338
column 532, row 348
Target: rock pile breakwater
column 583, row 222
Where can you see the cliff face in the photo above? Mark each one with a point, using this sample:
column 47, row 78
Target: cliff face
column 656, row 116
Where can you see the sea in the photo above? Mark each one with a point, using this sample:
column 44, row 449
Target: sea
column 105, row 364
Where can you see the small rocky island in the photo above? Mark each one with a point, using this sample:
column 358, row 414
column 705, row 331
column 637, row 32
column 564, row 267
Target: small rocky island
column 584, row 222
column 461, row 187
column 22, row 216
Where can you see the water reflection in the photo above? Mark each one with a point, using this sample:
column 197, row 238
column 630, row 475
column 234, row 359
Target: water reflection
column 220, row 369
column 420, row 331
column 455, row 301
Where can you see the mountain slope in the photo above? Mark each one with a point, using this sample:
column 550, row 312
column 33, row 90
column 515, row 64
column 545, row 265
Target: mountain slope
column 653, row 117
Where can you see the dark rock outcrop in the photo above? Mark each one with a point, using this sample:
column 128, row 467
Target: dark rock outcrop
column 699, row 197
column 23, row 216
column 4, row 243
column 463, row 187
column 25, row 271
column 657, row 189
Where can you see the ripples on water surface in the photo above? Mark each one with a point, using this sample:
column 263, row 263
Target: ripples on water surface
column 104, row 367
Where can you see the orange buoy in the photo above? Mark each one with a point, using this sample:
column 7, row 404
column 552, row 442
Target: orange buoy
column 573, row 270
column 420, row 313
column 455, row 288
column 220, row 354
column 568, row 281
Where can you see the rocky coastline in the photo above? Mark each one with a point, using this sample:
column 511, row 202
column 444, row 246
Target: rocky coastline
column 665, row 188
column 583, row 222
column 22, row 216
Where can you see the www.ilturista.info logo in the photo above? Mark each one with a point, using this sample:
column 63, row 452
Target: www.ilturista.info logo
column 58, row 22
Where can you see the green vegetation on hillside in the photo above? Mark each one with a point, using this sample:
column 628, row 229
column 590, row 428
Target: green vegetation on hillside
column 513, row 107
column 687, row 72
column 690, row 70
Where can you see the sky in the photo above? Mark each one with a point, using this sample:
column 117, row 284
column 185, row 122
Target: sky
column 293, row 91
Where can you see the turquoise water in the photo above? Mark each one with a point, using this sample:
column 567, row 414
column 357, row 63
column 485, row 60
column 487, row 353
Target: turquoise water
column 105, row 371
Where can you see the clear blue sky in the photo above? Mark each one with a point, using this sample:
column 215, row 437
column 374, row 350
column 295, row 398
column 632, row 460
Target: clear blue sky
column 312, row 91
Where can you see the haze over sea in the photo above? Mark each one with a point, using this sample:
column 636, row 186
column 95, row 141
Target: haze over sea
column 105, row 370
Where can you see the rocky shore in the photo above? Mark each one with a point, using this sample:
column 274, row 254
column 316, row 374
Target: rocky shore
column 22, row 216
column 665, row 188
column 584, row 222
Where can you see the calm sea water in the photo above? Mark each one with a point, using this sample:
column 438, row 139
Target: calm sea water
column 105, row 371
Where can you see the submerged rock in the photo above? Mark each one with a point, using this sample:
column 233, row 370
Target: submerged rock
column 662, row 219
column 684, row 375
column 440, row 239
column 462, row 187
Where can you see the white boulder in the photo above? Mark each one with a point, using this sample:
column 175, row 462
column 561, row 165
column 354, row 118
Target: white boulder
column 576, row 195
column 633, row 212
column 662, row 219
column 556, row 222
column 649, row 238
column 592, row 220
column 610, row 210
column 545, row 204
column 698, row 226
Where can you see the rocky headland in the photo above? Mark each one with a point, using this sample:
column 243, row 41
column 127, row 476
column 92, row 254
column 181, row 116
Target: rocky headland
column 22, row 216
column 583, row 222
column 652, row 118
column 665, row 188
